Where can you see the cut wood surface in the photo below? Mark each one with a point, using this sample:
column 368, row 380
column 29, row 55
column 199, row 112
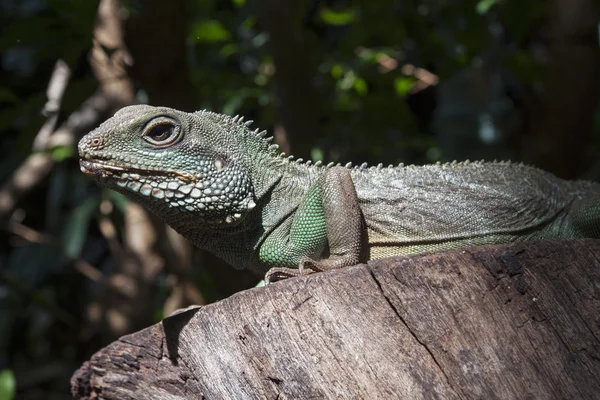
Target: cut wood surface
column 515, row 321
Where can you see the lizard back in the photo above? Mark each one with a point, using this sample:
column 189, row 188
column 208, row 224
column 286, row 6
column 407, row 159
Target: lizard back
column 428, row 208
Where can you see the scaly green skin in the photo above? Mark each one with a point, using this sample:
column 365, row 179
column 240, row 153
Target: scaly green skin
column 229, row 191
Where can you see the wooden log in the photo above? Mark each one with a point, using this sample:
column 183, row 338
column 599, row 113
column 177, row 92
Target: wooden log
column 515, row 321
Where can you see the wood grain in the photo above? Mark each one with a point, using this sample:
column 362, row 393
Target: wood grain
column 508, row 322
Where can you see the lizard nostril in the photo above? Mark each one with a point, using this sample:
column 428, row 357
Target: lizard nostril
column 96, row 142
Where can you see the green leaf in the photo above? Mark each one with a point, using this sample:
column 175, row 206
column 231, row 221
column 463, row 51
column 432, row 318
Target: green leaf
column 316, row 154
column 61, row 153
column 337, row 18
column 249, row 22
column 76, row 227
column 337, row 71
column 209, row 32
column 403, row 85
column 360, row 85
column 347, row 82
column 229, row 49
column 261, row 79
column 484, row 6
column 8, row 385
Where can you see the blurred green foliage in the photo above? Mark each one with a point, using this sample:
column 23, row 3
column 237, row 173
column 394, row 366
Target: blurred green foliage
column 7, row 385
column 394, row 81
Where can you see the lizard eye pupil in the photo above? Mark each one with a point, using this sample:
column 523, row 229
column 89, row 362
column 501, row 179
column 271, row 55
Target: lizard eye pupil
column 163, row 134
column 160, row 133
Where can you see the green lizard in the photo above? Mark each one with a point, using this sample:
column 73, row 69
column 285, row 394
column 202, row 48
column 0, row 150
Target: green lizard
column 228, row 190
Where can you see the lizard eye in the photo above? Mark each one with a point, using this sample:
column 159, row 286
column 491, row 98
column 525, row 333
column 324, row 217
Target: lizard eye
column 162, row 134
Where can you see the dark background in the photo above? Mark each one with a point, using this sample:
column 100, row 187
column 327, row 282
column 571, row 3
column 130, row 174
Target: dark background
column 413, row 81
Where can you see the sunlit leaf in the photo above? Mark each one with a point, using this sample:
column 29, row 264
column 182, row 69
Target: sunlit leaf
column 348, row 81
column 338, row 18
column 8, row 384
column 229, row 49
column 63, row 152
column 337, row 71
column 360, row 85
column 260, row 39
column 209, row 32
column 484, row 6
column 403, row 85
column 261, row 79
column 316, row 154
column 249, row 22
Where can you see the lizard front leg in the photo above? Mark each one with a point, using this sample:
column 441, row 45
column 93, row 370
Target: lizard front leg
column 326, row 231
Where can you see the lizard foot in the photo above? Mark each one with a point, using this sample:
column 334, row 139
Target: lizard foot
column 306, row 266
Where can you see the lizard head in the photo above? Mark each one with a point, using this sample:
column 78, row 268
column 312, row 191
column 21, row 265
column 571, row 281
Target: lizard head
column 167, row 159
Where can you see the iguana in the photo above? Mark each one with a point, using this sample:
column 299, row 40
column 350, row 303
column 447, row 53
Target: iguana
column 227, row 189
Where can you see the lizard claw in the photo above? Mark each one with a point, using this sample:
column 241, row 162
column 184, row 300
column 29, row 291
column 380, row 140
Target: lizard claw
column 281, row 273
column 308, row 266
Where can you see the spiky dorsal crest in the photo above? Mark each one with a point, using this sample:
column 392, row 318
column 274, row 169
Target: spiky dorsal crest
column 238, row 126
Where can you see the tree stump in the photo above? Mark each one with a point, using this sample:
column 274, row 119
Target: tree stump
column 515, row 321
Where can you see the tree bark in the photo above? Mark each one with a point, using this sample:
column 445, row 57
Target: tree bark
column 563, row 122
column 507, row 321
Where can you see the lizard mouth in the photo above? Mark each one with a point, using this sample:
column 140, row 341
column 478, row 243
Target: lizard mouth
column 105, row 170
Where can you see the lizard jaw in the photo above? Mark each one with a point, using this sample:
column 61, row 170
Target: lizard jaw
column 100, row 169
column 224, row 197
